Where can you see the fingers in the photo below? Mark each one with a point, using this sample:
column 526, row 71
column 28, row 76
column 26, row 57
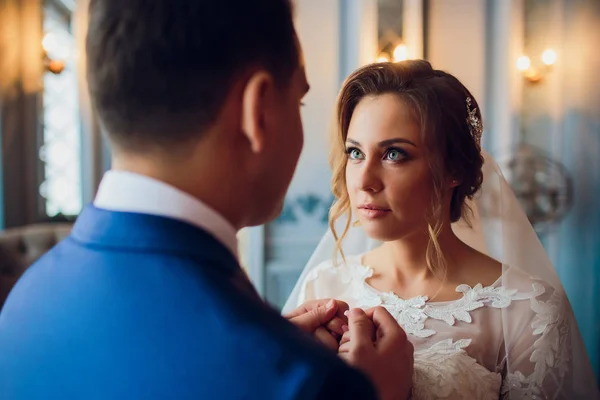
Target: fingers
column 361, row 329
column 384, row 323
column 325, row 337
column 344, row 346
column 337, row 325
column 310, row 320
column 356, row 345
column 345, row 338
column 387, row 360
column 343, row 307
column 308, row 306
column 390, row 334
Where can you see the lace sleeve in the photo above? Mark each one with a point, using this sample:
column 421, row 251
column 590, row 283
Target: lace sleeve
column 307, row 285
column 321, row 281
column 539, row 364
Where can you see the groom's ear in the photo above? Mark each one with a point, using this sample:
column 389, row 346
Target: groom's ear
column 258, row 102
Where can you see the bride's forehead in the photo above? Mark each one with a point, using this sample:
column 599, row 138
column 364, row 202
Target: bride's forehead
column 381, row 118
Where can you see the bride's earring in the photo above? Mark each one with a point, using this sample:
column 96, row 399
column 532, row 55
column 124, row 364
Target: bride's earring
column 356, row 223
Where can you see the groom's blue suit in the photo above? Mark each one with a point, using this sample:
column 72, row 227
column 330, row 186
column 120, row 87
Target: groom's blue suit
column 135, row 306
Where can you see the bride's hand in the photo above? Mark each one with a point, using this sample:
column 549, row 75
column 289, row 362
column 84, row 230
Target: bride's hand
column 324, row 319
column 377, row 345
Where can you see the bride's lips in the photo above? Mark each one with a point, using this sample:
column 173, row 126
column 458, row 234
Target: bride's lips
column 373, row 211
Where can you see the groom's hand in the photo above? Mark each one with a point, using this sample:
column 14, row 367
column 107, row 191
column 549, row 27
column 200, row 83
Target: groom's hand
column 377, row 345
column 322, row 318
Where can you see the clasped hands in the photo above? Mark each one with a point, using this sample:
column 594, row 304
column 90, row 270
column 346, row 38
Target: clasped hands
column 370, row 340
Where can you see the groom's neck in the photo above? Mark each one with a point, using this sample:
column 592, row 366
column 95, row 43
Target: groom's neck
column 208, row 175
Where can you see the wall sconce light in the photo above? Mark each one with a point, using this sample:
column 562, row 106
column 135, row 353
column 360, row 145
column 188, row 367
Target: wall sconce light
column 533, row 74
column 396, row 53
column 51, row 46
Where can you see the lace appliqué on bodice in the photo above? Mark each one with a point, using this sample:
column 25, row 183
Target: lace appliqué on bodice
column 412, row 313
column 446, row 371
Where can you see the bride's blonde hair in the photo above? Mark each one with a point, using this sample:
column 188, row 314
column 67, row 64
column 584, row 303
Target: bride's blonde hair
column 438, row 103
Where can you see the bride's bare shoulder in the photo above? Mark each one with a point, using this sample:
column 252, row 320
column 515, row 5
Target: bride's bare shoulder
column 478, row 268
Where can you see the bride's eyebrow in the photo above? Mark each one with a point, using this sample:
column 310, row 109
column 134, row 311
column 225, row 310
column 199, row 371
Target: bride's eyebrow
column 389, row 142
column 384, row 143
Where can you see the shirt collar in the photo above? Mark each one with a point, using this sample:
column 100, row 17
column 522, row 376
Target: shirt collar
column 129, row 192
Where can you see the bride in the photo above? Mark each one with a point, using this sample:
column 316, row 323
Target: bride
column 425, row 225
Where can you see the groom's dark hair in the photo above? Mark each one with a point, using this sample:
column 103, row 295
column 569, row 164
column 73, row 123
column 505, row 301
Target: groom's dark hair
column 159, row 70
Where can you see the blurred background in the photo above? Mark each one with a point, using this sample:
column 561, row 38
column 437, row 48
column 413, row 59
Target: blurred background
column 532, row 65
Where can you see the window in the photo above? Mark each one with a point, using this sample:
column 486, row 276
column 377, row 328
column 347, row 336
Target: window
column 60, row 149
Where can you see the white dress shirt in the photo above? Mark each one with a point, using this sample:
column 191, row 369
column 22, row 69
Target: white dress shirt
column 129, row 192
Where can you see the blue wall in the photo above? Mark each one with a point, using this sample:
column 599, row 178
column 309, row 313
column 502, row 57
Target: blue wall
column 562, row 117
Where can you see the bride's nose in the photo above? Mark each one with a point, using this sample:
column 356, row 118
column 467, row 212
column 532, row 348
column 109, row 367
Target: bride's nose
column 368, row 178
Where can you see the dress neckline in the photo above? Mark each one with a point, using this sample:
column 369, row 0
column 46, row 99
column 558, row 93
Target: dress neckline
column 356, row 260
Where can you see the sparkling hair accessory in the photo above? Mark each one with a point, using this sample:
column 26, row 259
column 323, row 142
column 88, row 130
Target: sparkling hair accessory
column 475, row 125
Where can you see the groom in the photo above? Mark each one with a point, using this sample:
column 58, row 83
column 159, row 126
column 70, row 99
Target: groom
column 146, row 300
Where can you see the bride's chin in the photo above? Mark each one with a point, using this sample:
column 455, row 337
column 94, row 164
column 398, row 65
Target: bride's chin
column 378, row 231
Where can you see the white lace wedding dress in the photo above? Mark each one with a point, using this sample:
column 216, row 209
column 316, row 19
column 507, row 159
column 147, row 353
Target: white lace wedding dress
column 462, row 347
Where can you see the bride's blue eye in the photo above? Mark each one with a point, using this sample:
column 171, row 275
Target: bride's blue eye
column 354, row 153
column 395, row 155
